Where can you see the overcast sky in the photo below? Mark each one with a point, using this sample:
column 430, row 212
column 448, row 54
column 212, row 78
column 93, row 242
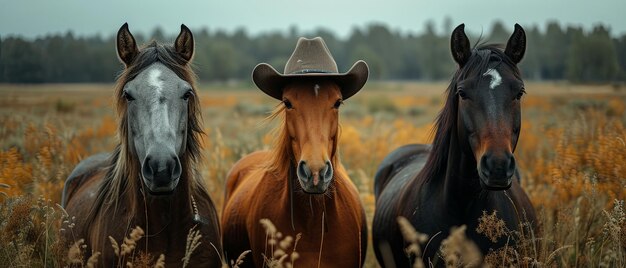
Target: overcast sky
column 33, row 18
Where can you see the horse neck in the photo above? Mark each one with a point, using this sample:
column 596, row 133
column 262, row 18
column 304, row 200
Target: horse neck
column 137, row 208
column 460, row 182
column 154, row 213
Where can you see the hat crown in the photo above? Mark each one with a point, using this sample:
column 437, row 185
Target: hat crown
column 311, row 56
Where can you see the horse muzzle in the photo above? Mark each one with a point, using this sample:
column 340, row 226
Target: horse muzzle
column 161, row 173
column 314, row 180
column 496, row 173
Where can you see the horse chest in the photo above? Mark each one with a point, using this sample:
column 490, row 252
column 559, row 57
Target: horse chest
column 325, row 242
column 325, row 233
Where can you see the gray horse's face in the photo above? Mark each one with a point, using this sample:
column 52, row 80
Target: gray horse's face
column 157, row 125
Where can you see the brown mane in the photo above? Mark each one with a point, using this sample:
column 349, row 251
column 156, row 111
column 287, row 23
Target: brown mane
column 281, row 154
column 122, row 174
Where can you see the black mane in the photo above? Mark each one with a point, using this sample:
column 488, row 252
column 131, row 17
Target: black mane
column 439, row 186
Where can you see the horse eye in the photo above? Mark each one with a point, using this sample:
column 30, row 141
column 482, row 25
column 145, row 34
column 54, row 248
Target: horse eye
column 187, row 95
column 127, row 96
column 337, row 104
column 288, row 104
column 462, row 94
column 520, row 94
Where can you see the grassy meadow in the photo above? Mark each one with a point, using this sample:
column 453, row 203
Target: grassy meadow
column 571, row 154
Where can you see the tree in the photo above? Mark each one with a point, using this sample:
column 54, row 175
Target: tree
column 499, row 34
column 533, row 59
column 593, row 59
column 21, row 61
column 158, row 34
column 374, row 62
column 555, row 46
column 434, row 55
column 620, row 48
column 556, row 54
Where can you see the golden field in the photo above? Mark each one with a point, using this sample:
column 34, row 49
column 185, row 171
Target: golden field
column 571, row 154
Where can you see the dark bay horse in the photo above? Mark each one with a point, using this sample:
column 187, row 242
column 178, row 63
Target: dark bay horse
column 150, row 180
column 470, row 167
column 271, row 184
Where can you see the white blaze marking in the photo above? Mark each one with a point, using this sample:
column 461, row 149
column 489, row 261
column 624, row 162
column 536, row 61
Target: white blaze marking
column 496, row 79
column 160, row 118
column 153, row 79
column 316, row 88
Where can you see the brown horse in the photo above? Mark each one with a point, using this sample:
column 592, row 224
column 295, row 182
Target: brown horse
column 469, row 169
column 150, row 180
column 269, row 184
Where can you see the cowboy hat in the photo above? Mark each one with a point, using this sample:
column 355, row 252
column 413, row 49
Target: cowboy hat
column 310, row 58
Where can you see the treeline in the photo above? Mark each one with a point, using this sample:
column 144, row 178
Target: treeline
column 556, row 53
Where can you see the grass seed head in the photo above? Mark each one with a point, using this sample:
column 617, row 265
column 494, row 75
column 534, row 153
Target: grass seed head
column 93, row 260
column 75, row 253
column 491, row 226
column 459, row 251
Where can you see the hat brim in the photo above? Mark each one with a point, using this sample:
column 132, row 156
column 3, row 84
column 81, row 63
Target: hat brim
column 270, row 81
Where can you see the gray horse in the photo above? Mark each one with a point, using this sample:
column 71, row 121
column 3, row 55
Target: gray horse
column 150, row 180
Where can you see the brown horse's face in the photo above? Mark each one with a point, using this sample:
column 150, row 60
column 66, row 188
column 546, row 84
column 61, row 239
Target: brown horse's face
column 489, row 113
column 312, row 124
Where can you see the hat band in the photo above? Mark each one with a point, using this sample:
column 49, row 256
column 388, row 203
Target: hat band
column 308, row 71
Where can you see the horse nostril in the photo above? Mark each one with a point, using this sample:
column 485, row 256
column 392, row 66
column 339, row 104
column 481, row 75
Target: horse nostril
column 511, row 167
column 484, row 166
column 146, row 169
column 303, row 170
column 177, row 169
column 327, row 171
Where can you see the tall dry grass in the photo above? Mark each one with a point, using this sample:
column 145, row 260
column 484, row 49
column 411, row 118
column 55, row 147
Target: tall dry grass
column 572, row 156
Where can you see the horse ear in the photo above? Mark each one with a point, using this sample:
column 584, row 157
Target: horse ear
column 516, row 46
column 460, row 45
column 127, row 48
column 184, row 43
